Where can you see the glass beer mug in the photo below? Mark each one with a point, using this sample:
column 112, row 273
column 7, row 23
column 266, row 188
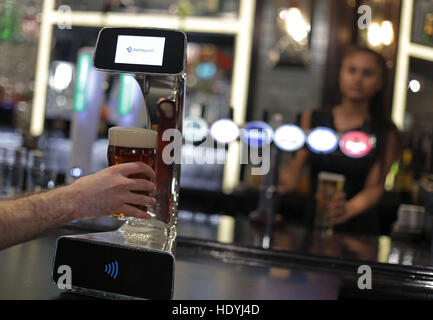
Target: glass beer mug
column 128, row 144
column 329, row 184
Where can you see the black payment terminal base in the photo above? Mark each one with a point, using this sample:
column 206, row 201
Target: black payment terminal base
column 105, row 265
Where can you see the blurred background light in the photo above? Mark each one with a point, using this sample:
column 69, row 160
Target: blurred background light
column 257, row 134
column 355, row 144
column 322, row 140
column 206, row 70
column 289, row 138
column 381, row 33
column 62, row 77
column 387, row 31
column 375, row 34
column 414, row 86
column 224, row 131
column 295, row 23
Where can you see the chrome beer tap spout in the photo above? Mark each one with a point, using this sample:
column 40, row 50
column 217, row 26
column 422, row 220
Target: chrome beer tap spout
column 144, row 83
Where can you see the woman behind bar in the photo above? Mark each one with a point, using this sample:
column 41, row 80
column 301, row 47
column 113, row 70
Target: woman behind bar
column 362, row 82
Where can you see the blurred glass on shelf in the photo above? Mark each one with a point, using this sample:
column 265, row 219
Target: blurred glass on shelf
column 411, row 219
column 14, row 172
column 23, row 171
column 175, row 7
column 422, row 28
column 3, row 165
column 41, row 171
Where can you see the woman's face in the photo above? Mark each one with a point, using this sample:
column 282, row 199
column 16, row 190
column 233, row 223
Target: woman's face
column 360, row 76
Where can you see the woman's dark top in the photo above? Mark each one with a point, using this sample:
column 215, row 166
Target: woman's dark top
column 355, row 170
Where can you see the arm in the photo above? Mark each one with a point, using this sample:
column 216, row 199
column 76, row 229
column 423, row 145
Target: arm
column 373, row 189
column 103, row 193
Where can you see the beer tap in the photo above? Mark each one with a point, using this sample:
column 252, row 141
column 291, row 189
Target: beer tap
column 144, row 83
column 268, row 192
column 267, row 197
column 157, row 59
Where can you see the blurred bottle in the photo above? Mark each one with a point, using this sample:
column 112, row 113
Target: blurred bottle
column 41, row 172
column 428, row 30
column 113, row 6
column 213, row 6
column 404, row 178
column 419, row 162
column 3, row 164
column 7, row 20
column 29, row 27
column 390, row 181
column 428, row 149
column 18, row 172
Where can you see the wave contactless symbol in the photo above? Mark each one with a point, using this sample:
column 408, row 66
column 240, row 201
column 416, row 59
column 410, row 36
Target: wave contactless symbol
column 112, row 269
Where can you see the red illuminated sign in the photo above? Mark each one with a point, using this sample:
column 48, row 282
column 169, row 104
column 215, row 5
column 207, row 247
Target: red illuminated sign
column 355, row 144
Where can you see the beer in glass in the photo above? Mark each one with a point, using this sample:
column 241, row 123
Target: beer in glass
column 127, row 144
column 328, row 185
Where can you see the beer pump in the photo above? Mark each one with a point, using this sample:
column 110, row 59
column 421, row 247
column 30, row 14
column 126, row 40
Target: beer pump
column 137, row 260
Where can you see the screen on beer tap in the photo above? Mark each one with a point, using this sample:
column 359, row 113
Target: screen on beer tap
column 141, row 50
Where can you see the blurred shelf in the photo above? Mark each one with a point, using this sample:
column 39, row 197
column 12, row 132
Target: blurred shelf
column 225, row 25
column 20, row 41
column 406, row 50
column 420, row 51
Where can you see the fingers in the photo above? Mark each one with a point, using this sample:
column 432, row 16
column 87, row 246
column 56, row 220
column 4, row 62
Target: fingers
column 134, row 212
column 339, row 197
column 130, row 168
column 142, row 185
column 337, row 208
column 339, row 219
column 139, row 199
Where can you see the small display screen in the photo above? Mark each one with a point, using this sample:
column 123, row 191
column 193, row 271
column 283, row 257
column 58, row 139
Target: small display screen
column 140, row 50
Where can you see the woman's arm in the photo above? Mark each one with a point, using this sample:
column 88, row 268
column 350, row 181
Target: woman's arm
column 373, row 189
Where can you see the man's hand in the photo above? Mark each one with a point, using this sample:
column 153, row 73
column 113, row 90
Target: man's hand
column 104, row 193
column 110, row 191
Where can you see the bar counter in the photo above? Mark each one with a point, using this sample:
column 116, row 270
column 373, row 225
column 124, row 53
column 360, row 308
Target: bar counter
column 298, row 266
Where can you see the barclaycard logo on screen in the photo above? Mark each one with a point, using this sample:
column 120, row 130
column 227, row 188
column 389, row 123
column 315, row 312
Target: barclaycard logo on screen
column 131, row 49
column 140, row 50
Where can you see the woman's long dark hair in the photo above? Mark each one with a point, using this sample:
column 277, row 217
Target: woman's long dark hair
column 380, row 111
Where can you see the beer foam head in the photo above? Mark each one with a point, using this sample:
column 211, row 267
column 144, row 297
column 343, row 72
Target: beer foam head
column 132, row 137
